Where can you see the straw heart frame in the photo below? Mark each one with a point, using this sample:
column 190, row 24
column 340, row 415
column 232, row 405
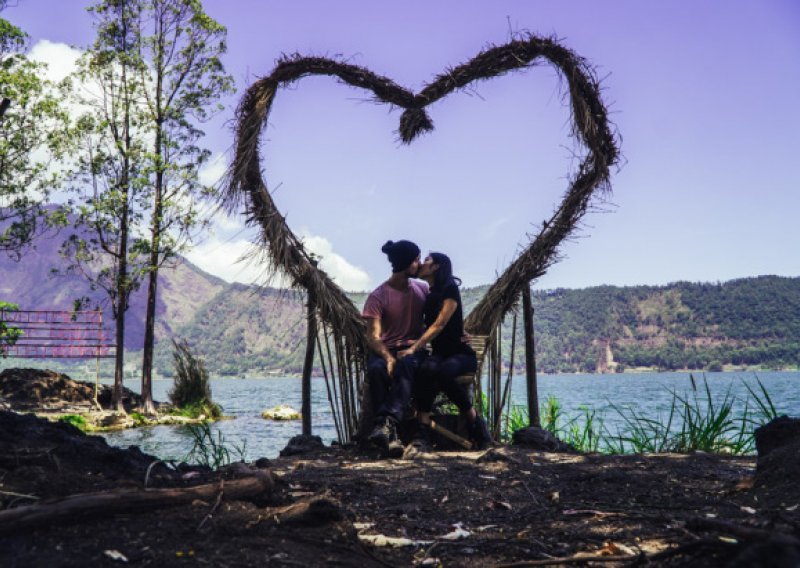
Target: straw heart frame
column 284, row 252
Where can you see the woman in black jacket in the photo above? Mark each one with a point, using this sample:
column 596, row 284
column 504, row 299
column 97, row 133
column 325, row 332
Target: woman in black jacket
column 451, row 355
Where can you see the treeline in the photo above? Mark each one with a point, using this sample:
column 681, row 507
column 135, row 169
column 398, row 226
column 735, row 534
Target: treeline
column 747, row 322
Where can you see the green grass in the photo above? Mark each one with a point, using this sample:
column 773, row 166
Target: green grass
column 202, row 409
column 694, row 422
column 76, row 420
column 211, row 451
column 139, row 419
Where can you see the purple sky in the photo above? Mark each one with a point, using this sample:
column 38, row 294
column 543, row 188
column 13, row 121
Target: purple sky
column 704, row 95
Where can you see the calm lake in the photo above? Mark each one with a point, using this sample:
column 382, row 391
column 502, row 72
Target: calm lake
column 245, row 399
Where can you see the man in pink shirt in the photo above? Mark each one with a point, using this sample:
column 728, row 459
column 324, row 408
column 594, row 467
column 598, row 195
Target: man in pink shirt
column 393, row 312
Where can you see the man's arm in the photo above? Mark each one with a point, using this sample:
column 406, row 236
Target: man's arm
column 377, row 345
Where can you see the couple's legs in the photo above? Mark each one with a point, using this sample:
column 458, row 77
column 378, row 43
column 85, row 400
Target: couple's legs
column 391, row 395
column 439, row 374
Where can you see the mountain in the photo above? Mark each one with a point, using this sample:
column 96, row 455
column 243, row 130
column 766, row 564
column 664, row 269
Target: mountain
column 33, row 284
column 750, row 322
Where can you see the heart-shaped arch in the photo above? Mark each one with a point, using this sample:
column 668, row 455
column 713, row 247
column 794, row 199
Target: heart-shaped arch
column 285, row 252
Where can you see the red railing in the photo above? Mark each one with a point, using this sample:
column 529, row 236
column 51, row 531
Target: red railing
column 58, row 334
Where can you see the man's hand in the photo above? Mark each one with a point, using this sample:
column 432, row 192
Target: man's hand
column 405, row 352
column 390, row 363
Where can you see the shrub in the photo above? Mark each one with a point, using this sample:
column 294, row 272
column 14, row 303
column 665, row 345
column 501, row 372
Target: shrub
column 191, row 391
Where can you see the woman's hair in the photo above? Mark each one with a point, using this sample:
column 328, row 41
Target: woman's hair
column 444, row 275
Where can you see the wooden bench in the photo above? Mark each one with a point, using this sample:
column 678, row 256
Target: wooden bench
column 478, row 344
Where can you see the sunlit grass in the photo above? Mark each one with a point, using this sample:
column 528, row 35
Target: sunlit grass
column 694, row 422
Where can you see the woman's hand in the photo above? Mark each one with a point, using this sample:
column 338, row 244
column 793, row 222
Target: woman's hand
column 406, row 352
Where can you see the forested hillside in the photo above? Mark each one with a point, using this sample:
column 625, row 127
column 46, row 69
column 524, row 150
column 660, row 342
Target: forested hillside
column 243, row 329
column 747, row 322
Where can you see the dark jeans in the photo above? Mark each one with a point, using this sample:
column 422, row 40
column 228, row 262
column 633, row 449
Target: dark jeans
column 392, row 395
column 439, row 373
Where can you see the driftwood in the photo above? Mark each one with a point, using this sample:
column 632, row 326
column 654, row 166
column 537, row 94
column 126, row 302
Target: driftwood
column 107, row 503
column 311, row 512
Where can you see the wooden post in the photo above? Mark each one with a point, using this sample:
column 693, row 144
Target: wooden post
column 308, row 363
column 530, row 358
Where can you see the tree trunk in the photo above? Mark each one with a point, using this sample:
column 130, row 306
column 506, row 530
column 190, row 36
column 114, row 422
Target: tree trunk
column 530, row 358
column 149, row 339
column 152, row 291
column 308, row 363
column 122, row 302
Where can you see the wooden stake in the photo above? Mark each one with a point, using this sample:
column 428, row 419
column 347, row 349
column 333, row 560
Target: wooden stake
column 530, row 358
column 308, row 363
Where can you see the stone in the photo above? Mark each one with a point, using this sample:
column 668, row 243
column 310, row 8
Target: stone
column 302, row 444
column 540, row 439
column 779, row 432
column 281, row 412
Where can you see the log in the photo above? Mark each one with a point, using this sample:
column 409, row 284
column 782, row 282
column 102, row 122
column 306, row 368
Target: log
column 739, row 531
column 313, row 512
column 466, row 444
column 107, row 503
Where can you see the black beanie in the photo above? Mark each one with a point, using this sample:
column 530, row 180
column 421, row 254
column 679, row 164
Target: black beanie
column 401, row 254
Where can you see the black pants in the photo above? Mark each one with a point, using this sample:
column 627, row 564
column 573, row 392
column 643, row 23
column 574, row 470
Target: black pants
column 439, row 374
column 392, row 395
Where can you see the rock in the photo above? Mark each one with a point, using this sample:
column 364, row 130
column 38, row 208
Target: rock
column 41, row 390
column 302, row 444
column 263, row 463
column 281, row 412
column 779, row 432
column 497, row 455
column 115, row 420
column 777, row 552
column 540, row 439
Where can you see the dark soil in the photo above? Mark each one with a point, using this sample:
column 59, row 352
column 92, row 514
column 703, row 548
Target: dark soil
column 514, row 504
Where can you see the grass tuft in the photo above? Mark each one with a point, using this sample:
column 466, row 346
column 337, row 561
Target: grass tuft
column 191, row 392
column 210, row 451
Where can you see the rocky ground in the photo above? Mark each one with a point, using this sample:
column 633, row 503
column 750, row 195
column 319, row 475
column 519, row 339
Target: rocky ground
column 53, row 395
column 341, row 506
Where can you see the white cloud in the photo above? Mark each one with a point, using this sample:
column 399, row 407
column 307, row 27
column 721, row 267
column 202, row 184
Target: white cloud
column 212, row 172
column 59, row 57
column 226, row 259
column 345, row 274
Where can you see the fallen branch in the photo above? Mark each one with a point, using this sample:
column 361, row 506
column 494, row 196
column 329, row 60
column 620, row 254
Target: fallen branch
column 107, row 503
column 569, row 560
column 747, row 533
column 312, row 512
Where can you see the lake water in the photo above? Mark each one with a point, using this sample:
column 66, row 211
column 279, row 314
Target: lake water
column 245, row 399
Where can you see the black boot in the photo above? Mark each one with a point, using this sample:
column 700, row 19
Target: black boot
column 423, row 439
column 479, row 434
column 395, row 447
column 383, row 433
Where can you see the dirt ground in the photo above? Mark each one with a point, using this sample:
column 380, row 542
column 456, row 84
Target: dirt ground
column 341, row 506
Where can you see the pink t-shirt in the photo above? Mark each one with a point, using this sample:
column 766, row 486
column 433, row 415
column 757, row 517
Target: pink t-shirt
column 400, row 312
